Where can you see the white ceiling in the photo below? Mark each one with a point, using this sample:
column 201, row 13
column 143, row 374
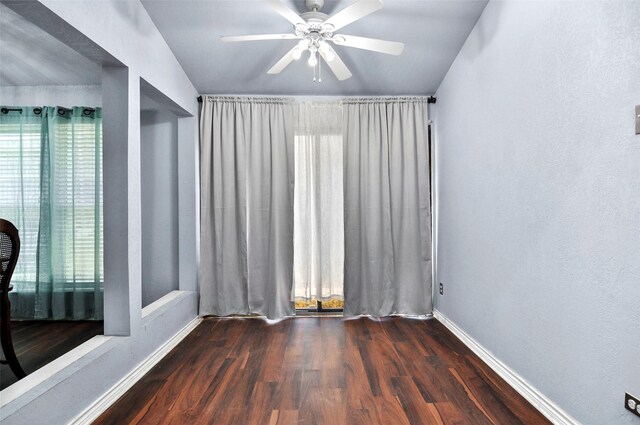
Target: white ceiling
column 30, row 56
column 433, row 32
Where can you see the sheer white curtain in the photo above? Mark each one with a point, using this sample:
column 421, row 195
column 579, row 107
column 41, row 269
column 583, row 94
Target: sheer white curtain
column 247, row 175
column 318, row 203
column 387, row 207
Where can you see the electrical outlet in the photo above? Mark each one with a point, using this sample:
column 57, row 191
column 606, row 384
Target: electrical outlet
column 441, row 288
column 632, row 403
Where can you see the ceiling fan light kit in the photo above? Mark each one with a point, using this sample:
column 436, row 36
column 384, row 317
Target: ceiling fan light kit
column 316, row 30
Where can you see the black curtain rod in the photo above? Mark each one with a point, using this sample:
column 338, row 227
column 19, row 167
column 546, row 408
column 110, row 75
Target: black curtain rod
column 430, row 99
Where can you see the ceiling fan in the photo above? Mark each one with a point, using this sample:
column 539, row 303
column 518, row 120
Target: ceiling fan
column 316, row 30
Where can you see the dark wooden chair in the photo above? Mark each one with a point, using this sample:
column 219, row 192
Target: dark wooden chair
column 9, row 251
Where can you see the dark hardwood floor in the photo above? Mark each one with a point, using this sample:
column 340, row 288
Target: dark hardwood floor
column 321, row 371
column 37, row 343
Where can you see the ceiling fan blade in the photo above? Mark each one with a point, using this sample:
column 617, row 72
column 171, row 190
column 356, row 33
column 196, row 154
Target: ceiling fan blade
column 285, row 12
column 282, row 63
column 337, row 66
column 373, row 44
column 228, row 38
column 352, row 13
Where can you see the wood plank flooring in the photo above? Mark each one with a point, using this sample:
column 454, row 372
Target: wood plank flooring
column 38, row 342
column 321, row 371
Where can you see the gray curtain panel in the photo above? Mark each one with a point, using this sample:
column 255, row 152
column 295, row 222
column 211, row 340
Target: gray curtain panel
column 247, row 175
column 387, row 207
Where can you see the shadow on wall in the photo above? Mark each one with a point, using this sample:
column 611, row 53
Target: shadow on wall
column 486, row 27
column 159, row 180
column 134, row 13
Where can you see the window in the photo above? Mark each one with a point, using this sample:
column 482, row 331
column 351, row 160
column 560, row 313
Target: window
column 318, row 208
column 20, row 183
column 51, row 180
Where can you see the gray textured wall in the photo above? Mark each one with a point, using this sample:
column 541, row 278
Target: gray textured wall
column 51, row 95
column 159, row 177
column 539, row 198
column 124, row 33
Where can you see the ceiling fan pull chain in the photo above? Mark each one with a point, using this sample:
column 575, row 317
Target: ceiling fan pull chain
column 319, row 71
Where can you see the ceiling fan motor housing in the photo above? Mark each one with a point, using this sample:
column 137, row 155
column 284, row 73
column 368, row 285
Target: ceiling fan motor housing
column 314, row 17
column 315, row 31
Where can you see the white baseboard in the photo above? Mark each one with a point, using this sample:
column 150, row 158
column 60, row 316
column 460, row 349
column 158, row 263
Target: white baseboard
column 99, row 406
column 548, row 408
